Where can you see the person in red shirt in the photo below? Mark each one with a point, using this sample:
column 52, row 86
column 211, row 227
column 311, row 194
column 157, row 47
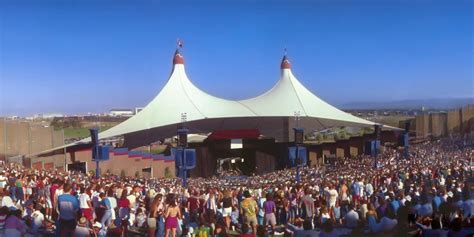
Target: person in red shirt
column 194, row 203
column 123, row 205
column 52, row 192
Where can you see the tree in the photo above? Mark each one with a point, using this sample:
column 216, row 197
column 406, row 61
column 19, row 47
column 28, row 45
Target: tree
column 137, row 174
column 319, row 137
column 341, row 135
column 366, row 130
column 325, row 136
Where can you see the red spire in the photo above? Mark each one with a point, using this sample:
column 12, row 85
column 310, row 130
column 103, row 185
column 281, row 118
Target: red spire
column 178, row 58
column 285, row 63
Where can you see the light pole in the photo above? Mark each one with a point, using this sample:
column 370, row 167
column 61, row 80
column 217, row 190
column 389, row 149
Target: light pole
column 376, row 143
column 182, row 143
column 94, row 132
column 64, row 149
column 297, row 140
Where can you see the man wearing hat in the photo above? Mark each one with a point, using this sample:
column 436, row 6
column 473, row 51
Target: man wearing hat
column 81, row 229
column 98, row 230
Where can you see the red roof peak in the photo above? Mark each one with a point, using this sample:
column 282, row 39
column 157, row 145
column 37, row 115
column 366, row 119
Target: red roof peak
column 178, row 58
column 285, row 63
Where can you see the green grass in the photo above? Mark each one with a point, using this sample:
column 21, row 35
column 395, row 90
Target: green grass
column 79, row 132
column 158, row 150
column 76, row 132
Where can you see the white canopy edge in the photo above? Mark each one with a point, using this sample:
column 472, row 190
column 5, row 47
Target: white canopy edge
column 180, row 97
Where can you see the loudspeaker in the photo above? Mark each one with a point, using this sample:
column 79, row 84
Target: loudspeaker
column 368, row 148
column 182, row 137
column 102, row 155
column 377, row 131
column 407, row 126
column 94, row 135
column 302, row 159
column 372, row 147
column 299, row 135
column 404, row 139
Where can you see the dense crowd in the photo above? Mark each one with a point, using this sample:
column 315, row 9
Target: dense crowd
column 428, row 193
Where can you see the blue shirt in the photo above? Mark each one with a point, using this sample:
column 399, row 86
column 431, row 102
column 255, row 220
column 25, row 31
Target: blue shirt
column 356, row 189
column 437, row 201
column 107, row 204
column 68, row 206
column 395, row 205
column 337, row 212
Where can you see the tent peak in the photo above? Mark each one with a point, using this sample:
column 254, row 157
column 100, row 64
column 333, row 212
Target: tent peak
column 178, row 58
column 285, row 63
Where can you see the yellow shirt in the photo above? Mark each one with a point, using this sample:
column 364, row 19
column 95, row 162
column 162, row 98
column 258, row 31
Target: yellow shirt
column 248, row 206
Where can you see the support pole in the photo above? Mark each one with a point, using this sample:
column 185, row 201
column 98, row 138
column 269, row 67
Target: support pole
column 298, row 177
column 97, row 168
column 183, row 160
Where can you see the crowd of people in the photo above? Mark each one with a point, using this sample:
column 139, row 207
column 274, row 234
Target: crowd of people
column 428, row 193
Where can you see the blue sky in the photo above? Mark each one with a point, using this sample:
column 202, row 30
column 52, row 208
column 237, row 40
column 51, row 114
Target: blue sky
column 91, row 56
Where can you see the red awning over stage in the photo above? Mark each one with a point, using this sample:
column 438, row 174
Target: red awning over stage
column 234, row 134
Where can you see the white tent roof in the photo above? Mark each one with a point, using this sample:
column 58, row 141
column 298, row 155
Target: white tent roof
column 180, row 95
column 289, row 96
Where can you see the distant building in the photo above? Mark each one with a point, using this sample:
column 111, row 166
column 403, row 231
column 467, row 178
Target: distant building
column 47, row 116
column 138, row 110
column 121, row 112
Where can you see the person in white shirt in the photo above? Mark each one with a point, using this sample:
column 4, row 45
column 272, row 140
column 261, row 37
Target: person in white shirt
column 37, row 220
column 332, row 196
column 58, row 193
column 7, row 200
column 133, row 199
column 84, row 200
column 113, row 204
column 85, row 204
column 3, row 180
column 361, row 190
column 369, row 189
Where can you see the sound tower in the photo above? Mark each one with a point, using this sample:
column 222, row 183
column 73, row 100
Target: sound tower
column 94, row 135
column 407, row 126
column 182, row 137
column 299, row 136
column 377, row 131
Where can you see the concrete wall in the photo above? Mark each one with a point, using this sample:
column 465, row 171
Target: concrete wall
column 123, row 164
column 118, row 164
column 454, row 121
column 439, row 123
column 467, row 119
column 442, row 124
column 422, row 125
column 18, row 138
column 313, row 158
column 23, row 138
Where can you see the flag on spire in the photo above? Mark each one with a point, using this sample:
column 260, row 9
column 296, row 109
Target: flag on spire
column 179, row 43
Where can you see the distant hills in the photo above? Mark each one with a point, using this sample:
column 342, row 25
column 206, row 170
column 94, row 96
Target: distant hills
column 438, row 103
